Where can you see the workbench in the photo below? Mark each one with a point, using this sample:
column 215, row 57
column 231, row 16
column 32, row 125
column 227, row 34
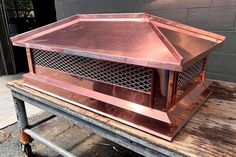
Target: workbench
column 210, row 132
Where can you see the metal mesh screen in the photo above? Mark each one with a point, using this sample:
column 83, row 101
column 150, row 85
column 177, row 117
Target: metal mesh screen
column 125, row 75
column 190, row 75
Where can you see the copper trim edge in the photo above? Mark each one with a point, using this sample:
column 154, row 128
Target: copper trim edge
column 130, row 106
column 202, row 98
column 169, row 138
column 178, row 117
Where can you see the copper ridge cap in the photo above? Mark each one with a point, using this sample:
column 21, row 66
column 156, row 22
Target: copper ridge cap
column 161, row 22
column 135, row 17
column 142, row 17
column 165, row 41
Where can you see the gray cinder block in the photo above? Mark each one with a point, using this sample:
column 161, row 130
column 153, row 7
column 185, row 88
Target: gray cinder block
column 176, row 4
column 223, row 2
column 212, row 18
column 59, row 6
column 229, row 45
column 189, row 3
column 222, row 63
column 217, row 76
column 178, row 15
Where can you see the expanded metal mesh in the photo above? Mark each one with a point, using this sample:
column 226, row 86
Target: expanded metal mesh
column 190, row 75
column 125, row 75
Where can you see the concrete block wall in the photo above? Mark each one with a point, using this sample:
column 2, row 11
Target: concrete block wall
column 213, row 15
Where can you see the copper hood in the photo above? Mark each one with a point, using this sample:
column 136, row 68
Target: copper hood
column 142, row 70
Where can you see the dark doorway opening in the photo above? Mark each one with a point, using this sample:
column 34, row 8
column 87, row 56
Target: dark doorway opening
column 25, row 15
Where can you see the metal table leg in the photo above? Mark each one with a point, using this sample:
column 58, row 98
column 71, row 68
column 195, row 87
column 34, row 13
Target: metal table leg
column 25, row 132
column 24, row 138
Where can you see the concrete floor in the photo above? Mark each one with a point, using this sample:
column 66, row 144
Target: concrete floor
column 80, row 142
column 7, row 111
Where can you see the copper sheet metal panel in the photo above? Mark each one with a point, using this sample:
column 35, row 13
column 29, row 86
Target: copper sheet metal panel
column 142, row 70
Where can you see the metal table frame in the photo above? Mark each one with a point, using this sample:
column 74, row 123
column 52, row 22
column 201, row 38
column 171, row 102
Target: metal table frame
column 118, row 136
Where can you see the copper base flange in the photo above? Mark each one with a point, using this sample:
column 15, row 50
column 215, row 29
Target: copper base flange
column 177, row 116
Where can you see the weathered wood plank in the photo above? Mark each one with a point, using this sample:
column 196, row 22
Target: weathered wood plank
column 210, row 132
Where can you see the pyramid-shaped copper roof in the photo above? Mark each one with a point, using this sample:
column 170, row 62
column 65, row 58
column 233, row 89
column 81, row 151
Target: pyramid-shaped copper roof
column 133, row 38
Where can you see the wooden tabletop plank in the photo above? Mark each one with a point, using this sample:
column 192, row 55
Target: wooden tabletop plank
column 210, row 132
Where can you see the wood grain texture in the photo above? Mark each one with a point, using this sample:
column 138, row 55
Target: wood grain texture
column 210, row 132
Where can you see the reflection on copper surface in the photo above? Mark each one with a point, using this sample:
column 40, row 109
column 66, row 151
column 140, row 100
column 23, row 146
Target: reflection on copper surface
column 74, row 60
column 120, row 39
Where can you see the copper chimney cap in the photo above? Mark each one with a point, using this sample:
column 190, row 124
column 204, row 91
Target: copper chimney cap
column 132, row 38
column 136, row 68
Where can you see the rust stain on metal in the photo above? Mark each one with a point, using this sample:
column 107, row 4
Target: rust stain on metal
column 25, row 138
column 139, row 69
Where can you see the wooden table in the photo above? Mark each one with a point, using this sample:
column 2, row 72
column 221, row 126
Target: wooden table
column 210, row 132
